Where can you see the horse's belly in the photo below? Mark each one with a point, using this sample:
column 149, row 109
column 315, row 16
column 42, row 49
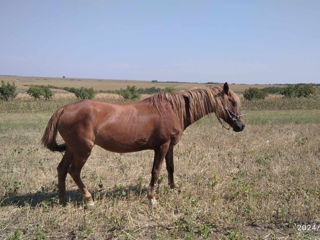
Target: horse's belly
column 131, row 136
column 123, row 145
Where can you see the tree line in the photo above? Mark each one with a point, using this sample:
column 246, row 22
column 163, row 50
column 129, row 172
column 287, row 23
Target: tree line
column 8, row 91
column 291, row 91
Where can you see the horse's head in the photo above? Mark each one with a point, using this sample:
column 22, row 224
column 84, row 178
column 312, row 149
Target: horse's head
column 231, row 113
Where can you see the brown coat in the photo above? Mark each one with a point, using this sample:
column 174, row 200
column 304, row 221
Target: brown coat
column 155, row 123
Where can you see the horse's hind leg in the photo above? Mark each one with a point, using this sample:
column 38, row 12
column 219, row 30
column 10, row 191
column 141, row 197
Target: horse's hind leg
column 62, row 174
column 159, row 155
column 79, row 138
column 170, row 166
column 77, row 163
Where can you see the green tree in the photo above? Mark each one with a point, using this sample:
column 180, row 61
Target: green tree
column 7, row 91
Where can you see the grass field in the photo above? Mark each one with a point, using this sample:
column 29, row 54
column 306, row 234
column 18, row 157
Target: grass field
column 262, row 183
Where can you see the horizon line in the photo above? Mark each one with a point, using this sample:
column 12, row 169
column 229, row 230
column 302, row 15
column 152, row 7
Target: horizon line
column 154, row 80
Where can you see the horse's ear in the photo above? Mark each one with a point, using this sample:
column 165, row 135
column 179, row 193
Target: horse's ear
column 226, row 88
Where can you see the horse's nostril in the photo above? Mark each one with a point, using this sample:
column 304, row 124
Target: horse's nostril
column 238, row 127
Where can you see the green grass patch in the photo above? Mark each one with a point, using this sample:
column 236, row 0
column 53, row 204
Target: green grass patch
column 23, row 121
column 32, row 106
column 283, row 117
column 282, row 103
column 271, row 117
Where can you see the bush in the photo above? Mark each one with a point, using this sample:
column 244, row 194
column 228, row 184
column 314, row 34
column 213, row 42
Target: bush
column 130, row 92
column 38, row 91
column 254, row 93
column 7, row 91
column 134, row 90
column 81, row 93
column 169, row 89
column 47, row 93
column 306, row 90
column 84, row 93
column 150, row 90
column 153, row 90
column 70, row 89
column 35, row 92
column 299, row 90
column 289, row 91
column 272, row 90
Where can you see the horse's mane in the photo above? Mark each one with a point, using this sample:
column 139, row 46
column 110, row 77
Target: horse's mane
column 191, row 105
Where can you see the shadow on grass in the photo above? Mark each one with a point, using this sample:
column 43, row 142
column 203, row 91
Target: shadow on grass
column 38, row 198
column 74, row 196
column 120, row 192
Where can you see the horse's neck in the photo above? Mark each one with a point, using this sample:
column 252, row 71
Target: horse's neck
column 195, row 111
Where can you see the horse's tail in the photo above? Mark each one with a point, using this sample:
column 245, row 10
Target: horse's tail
column 49, row 137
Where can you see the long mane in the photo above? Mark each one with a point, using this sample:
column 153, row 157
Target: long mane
column 190, row 105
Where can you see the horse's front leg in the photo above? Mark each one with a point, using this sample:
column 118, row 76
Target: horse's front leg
column 159, row 155
column 170, row 167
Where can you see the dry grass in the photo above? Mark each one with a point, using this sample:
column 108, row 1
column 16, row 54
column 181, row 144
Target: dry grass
column 262, row 183
column 256, row 184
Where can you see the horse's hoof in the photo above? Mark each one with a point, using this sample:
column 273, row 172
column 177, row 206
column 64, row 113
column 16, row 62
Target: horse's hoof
column 89, row 205
column 153, row 202
column 63, row 201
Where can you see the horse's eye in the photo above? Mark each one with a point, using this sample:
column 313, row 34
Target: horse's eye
column 233, row 103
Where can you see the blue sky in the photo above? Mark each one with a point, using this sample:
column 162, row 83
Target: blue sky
column 271, row 41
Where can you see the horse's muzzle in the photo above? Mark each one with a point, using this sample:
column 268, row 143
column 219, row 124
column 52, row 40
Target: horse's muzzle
column 238, row 126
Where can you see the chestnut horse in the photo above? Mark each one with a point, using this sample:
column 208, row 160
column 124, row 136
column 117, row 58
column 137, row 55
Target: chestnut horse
column 155, row 123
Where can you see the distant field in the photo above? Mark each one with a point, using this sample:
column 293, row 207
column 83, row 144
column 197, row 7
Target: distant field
column 109, row 84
